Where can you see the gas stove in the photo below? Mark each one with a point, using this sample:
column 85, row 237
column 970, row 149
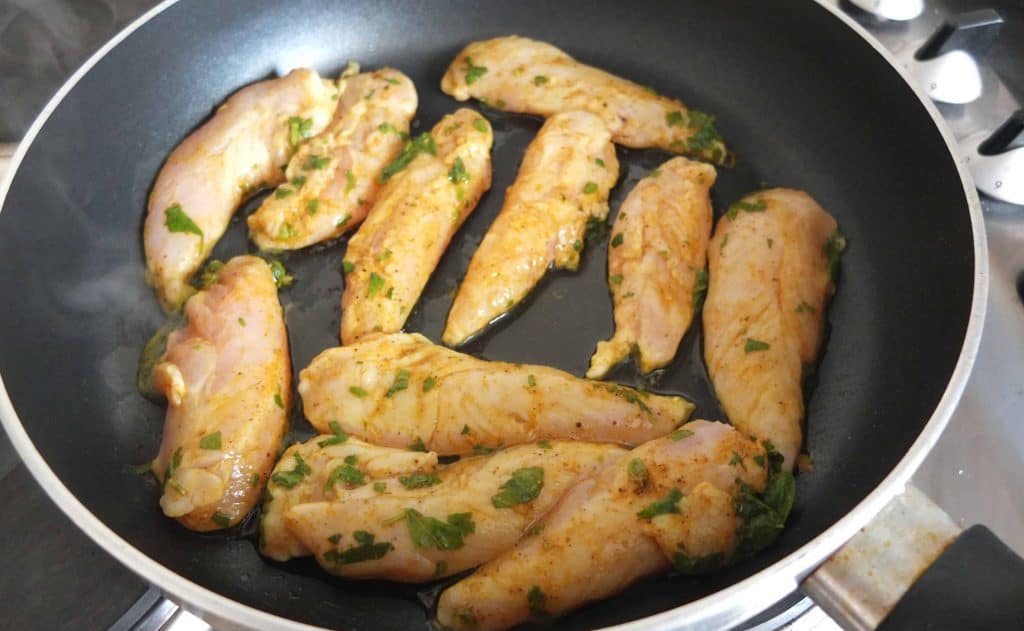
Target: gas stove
column 968, row 55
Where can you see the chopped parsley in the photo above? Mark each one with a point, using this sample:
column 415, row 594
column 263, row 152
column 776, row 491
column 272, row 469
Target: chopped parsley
column 534, row 531
column 312, row 206
column 339, row 435
column 366, row 550
column 299, row 181
column 418, row 445
column 537, row 601
column 299, row 129
column 473, row 72
column 596, row 230
column 531, row 381
column 286, row 231
column 350, row 180
column 753, row 346
column 700, row 288
column 345, row 473
column 616, row 279
column 599, row 162
column 315, row 163
column 617, row 240
column 377, row 283
column 705, row 135
column 430, row 532
column 335, row 538
column 440, row 568
column 638, row 472
column 177, row 221
column 482, row 450
column 212, row 441
column 590, row 188
column 524, row 486
column 631, row 396
column 832, row 249
column 357, row 391
column 278, row 401
column 281, row 276
column 465, row 430
column 669, row 504
column 401, row 383
column 736, row 459
column 419, row 480
column 379, row 487
column 764, row 514
column 675, row 119
column 480, row 125
column 289, row 479
column 544, row 444
column 347, row 266
column 173, row 465
column 540, row 80
column 424, row 143
column 221, row 520
column 210, row 273
column 691, row 565
column 458, row 174
column 803, row 307
column 388, row 128
column 680, row 434
column 736, row 207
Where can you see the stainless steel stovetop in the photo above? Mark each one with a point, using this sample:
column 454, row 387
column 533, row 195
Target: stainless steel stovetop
column 974, row 473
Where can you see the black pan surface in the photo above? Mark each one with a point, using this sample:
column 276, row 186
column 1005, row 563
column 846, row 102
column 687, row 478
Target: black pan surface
column 803, row 100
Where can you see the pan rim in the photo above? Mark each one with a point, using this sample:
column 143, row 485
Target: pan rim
column 721, row 609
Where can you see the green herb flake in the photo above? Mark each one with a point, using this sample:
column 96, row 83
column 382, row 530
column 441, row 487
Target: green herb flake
column 430, row 532
column 599, row 162
column 143, row 469
column 616, row 279
column 628, row 294
column 524, row 486
column 299, row 129
column 544, row 444
column 350, row 180
column 299, row 181
column 418, row 445
column 480, row 125
column 803, row 307
column 289, row 479
column 281, row 276
column 753, row 346
column 465, row 430
column 695, row 566
column 629, row 395
column 339, row 435
column 379, row 487
column 283, row 192
column 577, row 245
column 254, row 480
column 654, row 173
column 347, row 266
column 759, row 459
column 534, row 530
column 388, row 128
column 617, row 240
column 832, row 249
column 424, row 143
column 700, row 289
column 531, row 381
column 335, row 538
column 365, row 550
column 736, row 207
column 482, row 450
column 377, row 283
column 278, row 401
column 736, row 459
column 638, row 472
column 211, row 441
column 473, row 72
column 419, row 480
column 440, row 568
column 537, row 601
column 221, row 520
column 540, row 80
column 210, row 273
column 177, row 221
column 590, row 188
column 771, row 242
column 401, row 383
column 458, row 174
column 680, row 434
column 315, row 163
column 675, row 119
column 704, row 133
column 345, row 473
column 596, row 230
column 764, row 514
column 669, row 504
column 342, row 220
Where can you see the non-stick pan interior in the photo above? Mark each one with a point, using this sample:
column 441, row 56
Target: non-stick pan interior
column 804, row 101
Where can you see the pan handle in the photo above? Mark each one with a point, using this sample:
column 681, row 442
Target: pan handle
column 154, row 612
column 912, row 567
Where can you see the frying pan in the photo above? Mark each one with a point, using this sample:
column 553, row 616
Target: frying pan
column 800, row 94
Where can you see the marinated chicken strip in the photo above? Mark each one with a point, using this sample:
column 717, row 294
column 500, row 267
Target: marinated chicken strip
column 517, row 74
column 333, row 179
column 431, row 188
column 218, row 166
column 402, row 390
column 656, row 264
column 563, row 182
column 672, row 501
column 227, row 379
column 771, row 266
column 423, row 527
column 325, row 468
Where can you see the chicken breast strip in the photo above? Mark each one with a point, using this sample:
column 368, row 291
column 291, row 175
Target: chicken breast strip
column 562, row 184
column 687, row 500
column 227, row 379
column 419, row 527
column 517, row 74
column 771, row 262
column 656, row 265
column 401, row 390
column 237, row 152
column 334, row 178
column 431, row 188
column 323, row 468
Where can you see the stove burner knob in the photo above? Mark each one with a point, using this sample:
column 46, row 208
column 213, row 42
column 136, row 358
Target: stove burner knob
column 895, row 10
column 996, row 160
column 945, row 65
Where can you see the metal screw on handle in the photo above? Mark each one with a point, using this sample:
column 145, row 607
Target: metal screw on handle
column 894, row 10
column 945, row 66
column 996, row 160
